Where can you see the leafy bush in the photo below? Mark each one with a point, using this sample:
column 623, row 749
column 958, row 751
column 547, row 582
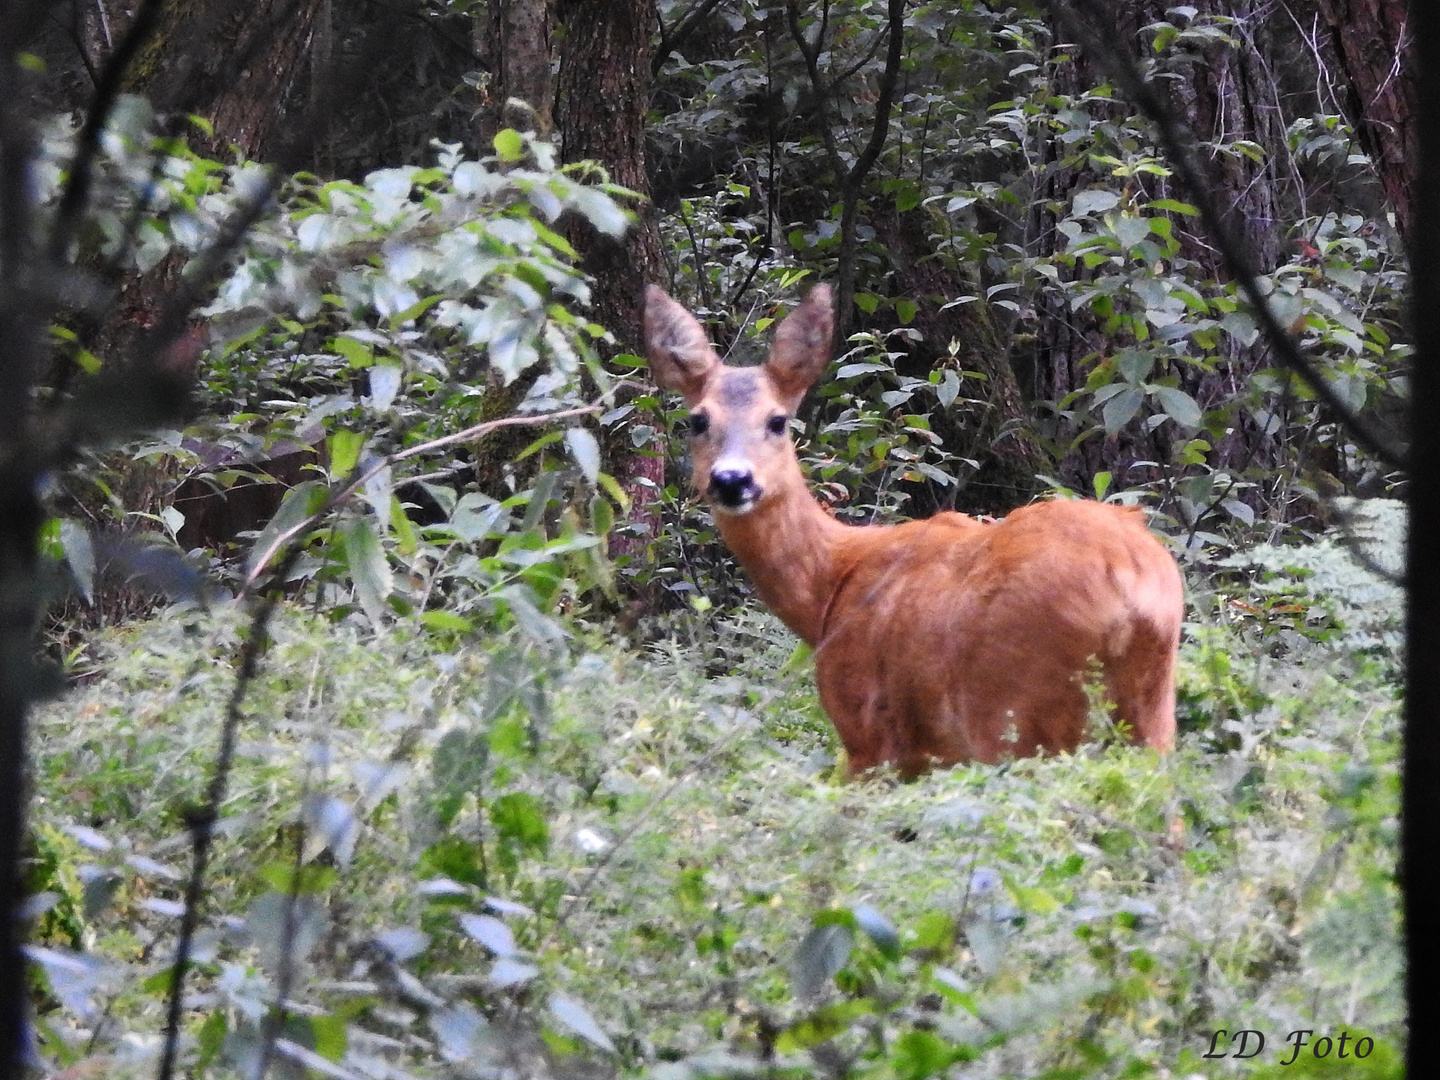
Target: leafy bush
column 389, row 324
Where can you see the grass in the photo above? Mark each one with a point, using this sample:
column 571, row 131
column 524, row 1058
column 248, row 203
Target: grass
column 664, row 837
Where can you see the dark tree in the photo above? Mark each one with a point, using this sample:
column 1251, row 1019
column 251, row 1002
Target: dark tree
column 604, row 96
column 1375, row 56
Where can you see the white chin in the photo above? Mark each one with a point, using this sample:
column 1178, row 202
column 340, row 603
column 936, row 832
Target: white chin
column 745, row 506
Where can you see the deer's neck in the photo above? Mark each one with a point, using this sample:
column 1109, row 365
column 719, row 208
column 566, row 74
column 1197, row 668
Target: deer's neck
column 793, row 552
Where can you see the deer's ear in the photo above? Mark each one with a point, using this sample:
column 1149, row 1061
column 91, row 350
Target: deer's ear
column 680, row 354
column 802, row 347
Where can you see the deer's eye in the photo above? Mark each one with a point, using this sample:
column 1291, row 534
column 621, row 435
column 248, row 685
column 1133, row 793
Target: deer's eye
column 699, row 423
column 776, row 424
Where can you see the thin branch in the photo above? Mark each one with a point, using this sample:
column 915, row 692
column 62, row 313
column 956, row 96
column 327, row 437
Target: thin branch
column 107, row 90
column 358, row 476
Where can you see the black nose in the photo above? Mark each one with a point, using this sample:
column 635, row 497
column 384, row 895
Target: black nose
column 732, row 487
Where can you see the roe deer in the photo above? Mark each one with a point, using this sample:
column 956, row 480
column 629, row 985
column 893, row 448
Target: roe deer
column 937, row 641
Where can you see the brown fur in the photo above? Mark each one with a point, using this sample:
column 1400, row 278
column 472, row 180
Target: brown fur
column 936, row 641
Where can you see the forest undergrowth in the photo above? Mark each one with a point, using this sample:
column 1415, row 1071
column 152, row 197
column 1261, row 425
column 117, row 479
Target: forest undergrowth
column 465, row 856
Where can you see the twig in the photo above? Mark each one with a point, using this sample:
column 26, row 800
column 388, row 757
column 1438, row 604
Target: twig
column 358, row 476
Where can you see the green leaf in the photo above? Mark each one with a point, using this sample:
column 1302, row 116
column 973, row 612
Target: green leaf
column 440, row 621
column 1121, row 408
column 867, row 302
column 509, row 145
column 345, row 447
column 369, row 569
column 1102, row 485
column 1175, row 207
column 918, row 1054
column 300, row 502
column 332, row 1036
column 520, row 817
column 210, row 1037
column 823, row 1025
column 1179, row 406
column 905, row 310
column 934, row 931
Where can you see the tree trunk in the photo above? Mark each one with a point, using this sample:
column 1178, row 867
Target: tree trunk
column 522, row 63
column 604, row 95
column 1225, row 94
column 1377, row 59
column 238, row 63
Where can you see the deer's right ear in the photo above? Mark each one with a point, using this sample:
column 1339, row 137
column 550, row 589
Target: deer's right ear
column 680, row 354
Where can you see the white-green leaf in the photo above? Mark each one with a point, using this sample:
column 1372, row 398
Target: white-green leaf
column 949, row 388
column 80, row 556
column 1121, row 408
column 573, row 1017
column 585, row 450
column 1131, row 230
column 1094, row 200
column 385, row 382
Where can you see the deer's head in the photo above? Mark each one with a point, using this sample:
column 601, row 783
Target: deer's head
column 739, row 416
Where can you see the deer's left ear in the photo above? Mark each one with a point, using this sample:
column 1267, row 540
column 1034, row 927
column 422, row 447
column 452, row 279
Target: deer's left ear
column 679, row 350
column 802, row 347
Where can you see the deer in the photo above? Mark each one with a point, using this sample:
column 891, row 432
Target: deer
column 938, row 641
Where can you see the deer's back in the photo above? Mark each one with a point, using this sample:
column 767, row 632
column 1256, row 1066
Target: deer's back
column 952, row 640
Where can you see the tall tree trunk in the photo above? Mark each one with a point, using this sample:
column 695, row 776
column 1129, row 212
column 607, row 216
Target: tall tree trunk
column 241, row 64
column 604, row 95
column 522, row 62
column 1377, row 59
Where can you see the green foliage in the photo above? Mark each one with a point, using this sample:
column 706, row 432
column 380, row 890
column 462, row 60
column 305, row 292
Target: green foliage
column 374, row 321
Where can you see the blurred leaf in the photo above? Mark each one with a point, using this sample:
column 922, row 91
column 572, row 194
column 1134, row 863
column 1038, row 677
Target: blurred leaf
column 344, row 448
column 824, row 952
column 79, row 556
column 879, row 930
column 573, row 1017
column 520, row 817
column 300, row 502
column 585, row 450
column 369, row 569
column 490, row 932
column 509, row 145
